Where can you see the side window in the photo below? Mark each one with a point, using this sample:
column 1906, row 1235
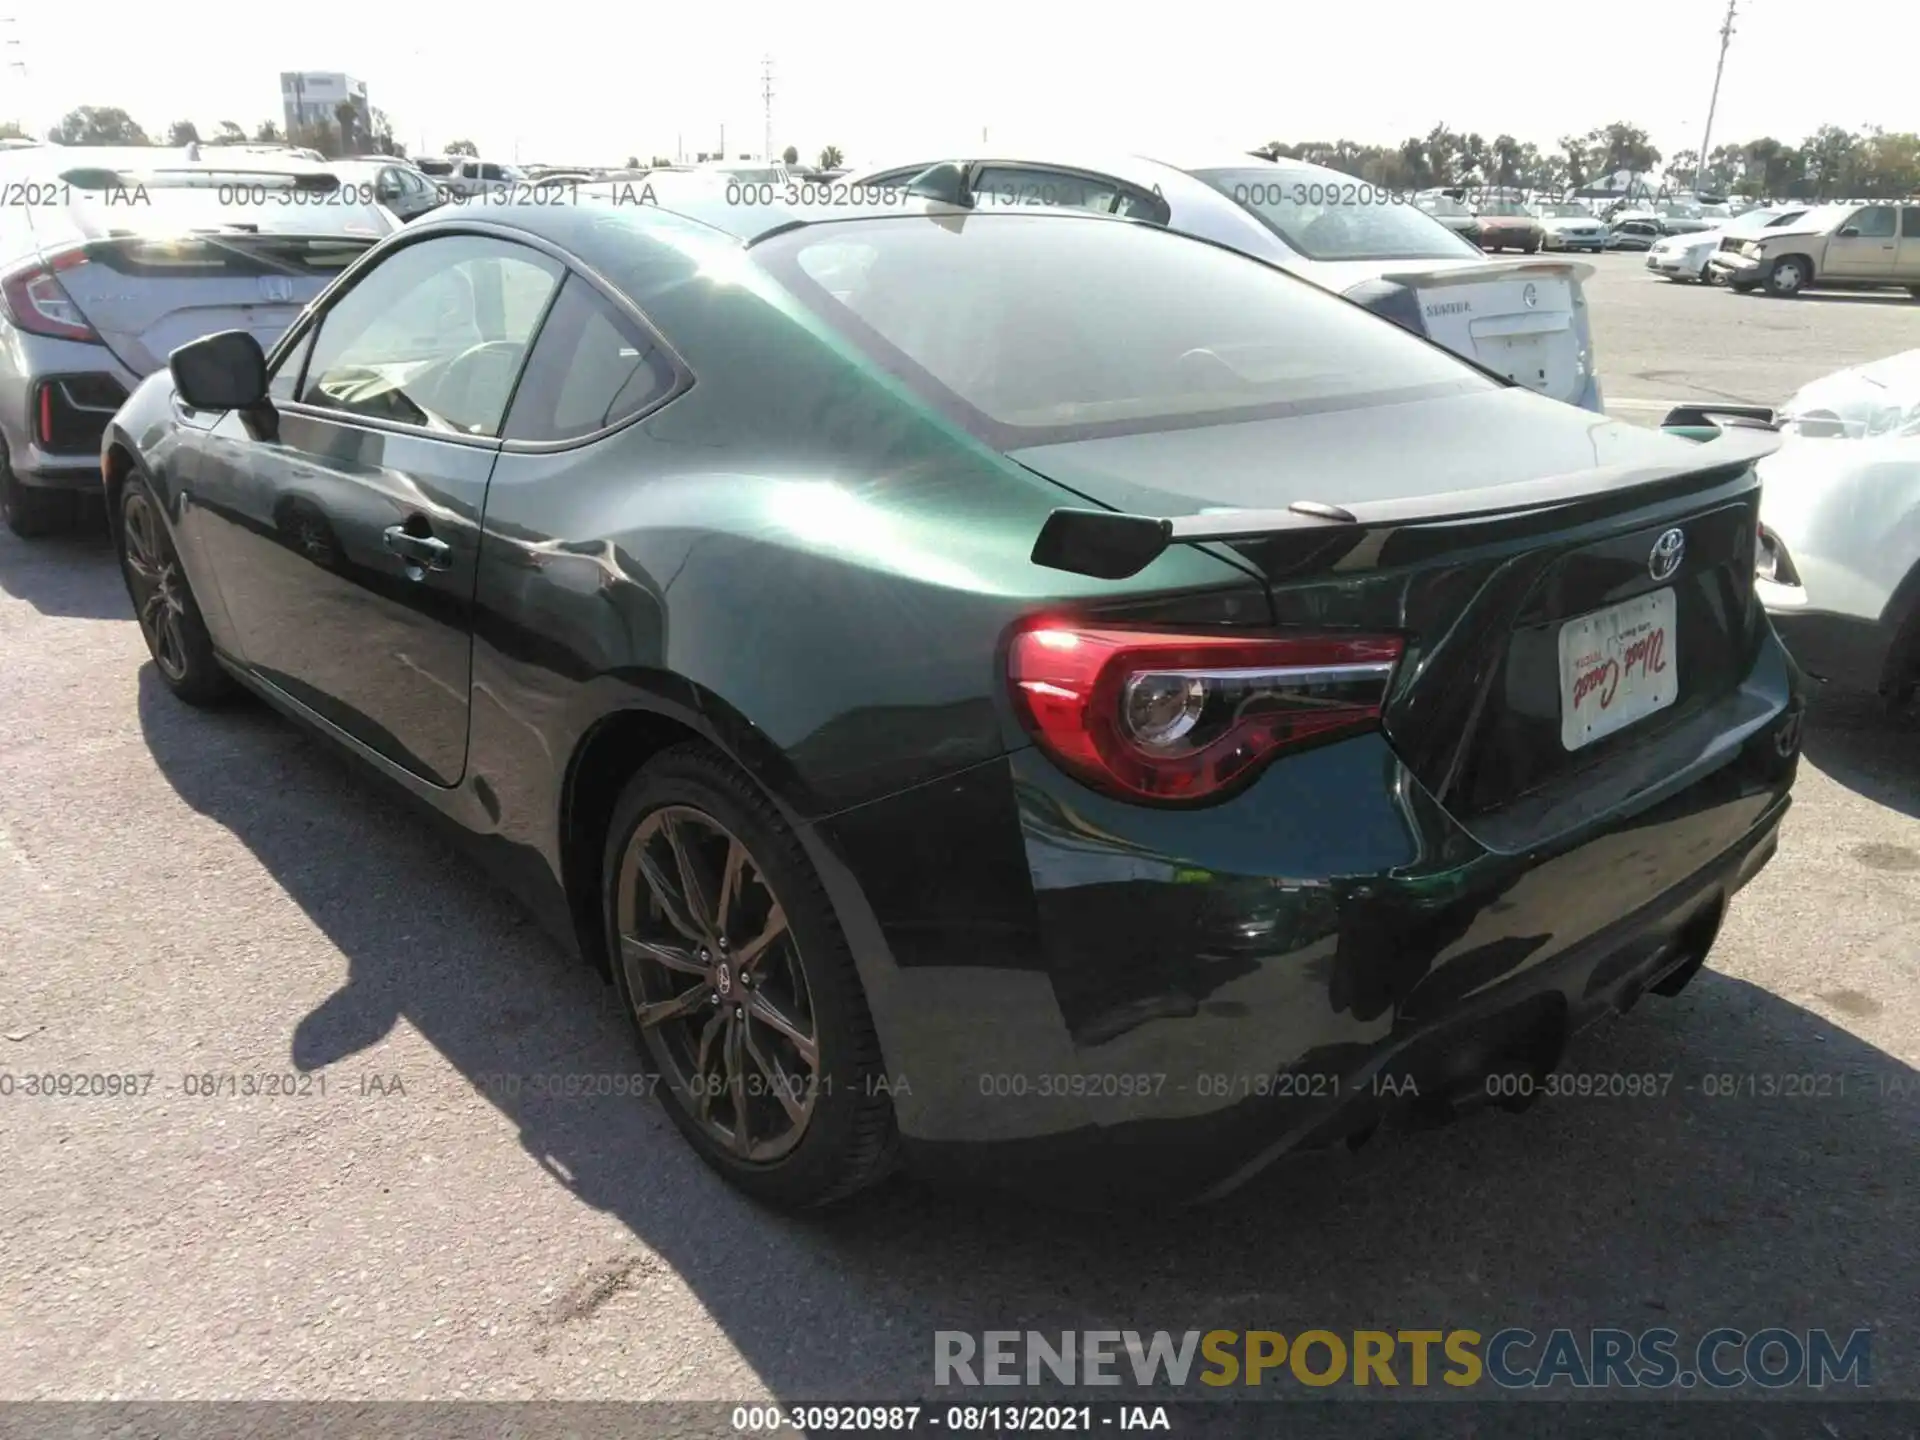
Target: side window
column 1876, row 222
column 434, row 335
column 592, row 368
column 284, row 384
column 1910, row 222
column 491, row 172
column 469, row 170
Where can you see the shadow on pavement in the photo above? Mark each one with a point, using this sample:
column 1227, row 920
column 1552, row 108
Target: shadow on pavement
column 1850, row 738
column 1774, row 1179
column 72, row 575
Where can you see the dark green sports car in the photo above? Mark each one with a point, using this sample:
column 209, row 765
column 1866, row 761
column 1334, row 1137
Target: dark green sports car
column 1030, row 695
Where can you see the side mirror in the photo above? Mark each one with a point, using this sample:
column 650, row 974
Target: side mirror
column 227, row 371
column 1853, row 230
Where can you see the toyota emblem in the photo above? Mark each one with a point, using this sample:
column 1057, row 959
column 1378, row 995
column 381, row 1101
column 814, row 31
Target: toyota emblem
column 1531, row 295
column 1668, row 551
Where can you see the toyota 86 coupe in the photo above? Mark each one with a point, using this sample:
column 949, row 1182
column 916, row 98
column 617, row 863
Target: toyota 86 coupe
column 1023, row 695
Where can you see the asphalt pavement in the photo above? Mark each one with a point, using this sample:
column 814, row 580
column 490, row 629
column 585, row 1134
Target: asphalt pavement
column 194, row 897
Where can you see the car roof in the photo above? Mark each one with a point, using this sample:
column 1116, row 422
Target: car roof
column 582, row 228
column 1137, row 168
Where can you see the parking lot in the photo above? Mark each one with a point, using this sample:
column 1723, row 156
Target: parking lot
column 185, row 894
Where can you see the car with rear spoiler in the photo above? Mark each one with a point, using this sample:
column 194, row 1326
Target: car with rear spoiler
column 1399, row 255
column 1024, row 694
column 113, row 266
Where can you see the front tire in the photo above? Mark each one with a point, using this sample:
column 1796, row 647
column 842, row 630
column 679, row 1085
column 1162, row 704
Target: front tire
column 163, row 601
column 31, row 512
column 741, row 987
column 1791, row 275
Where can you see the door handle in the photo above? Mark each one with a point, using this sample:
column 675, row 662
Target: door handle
column 423, row 550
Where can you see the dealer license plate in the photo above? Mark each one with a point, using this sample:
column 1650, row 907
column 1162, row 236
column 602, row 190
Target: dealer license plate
column 1617, row 665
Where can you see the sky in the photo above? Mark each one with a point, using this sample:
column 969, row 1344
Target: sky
column 568, row 82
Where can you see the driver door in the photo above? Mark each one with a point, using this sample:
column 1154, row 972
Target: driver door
column 1864, row 247
column 345, row 545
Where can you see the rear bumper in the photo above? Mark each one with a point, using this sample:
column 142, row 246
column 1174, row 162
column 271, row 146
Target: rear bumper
column 1674, row 263
column 1105, row 1003
column 61, row 475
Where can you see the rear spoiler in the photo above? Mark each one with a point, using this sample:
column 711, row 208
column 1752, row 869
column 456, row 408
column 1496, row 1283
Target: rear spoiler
column 1109, row 545
column 1493, row 268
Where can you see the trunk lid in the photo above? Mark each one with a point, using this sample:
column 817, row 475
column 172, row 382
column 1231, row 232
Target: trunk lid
column 1524, row 319
column 1492, row 561
column 148, row 295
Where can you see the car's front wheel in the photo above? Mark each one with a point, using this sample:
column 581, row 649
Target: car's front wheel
column 31, row 512
column 741, row 986
column 1790, row 276
column 163, row 602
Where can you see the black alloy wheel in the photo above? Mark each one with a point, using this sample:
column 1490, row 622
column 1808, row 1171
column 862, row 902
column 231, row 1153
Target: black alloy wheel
column 741, row 988
column 163, row 603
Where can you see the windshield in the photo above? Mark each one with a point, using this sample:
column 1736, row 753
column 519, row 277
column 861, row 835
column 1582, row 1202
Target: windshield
column 1510, row 208
column 1443, row 205
column 1334, row 218
column 1566, row 212
column 1031, row 329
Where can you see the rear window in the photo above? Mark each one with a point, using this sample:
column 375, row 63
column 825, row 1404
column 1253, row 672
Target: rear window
column 434, row 167
column 1031, row 329
column 1337, row 219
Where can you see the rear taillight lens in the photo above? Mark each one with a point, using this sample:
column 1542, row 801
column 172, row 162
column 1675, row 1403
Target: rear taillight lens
column 39, row 304
column 1392, row 301
column 1177, row 718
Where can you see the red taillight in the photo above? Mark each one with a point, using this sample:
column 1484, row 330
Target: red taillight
column 39, row 304
column 1158, row 716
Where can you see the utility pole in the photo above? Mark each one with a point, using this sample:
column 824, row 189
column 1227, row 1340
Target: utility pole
column 1706, row 132
column 766, row 102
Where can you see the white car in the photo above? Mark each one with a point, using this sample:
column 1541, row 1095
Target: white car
column 1525, row 319
column 1571, row 227
column 1690, row 257
column 1838, row 562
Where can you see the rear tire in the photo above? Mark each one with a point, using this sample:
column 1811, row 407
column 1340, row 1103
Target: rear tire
column 31, row 512
column 163, row 603
column 697, row 992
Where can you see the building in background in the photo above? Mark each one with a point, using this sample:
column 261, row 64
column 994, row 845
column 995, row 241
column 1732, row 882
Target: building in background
column 321, row 105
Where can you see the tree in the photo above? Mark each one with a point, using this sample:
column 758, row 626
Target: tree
column 462, row 147
column 1506, row 160
column 183, row 132
column 9, row 130
column 98, row 125
column 830, row 157
column 660, row 162
column 633, row 162
column 229, row 133
column 266, row 133
column 382, row 140
column 790, row 155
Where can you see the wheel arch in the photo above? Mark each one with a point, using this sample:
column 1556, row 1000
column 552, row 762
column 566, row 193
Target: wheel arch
column 614, row 747
column 116, row 464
